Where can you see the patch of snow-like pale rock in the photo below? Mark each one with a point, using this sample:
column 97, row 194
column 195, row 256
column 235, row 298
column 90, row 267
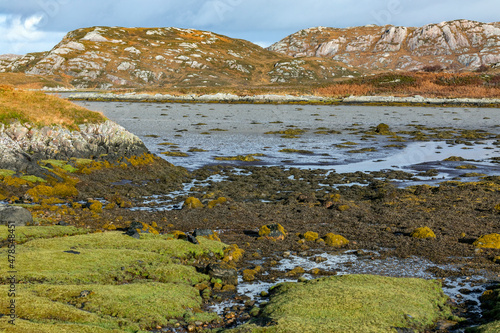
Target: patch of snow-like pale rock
column 95, row 36
column 125, row 66
column 132, row 49
column 188, row 45
column 330, row 48
column 392, row 39
column 491, row 59
column 360, row 44
column 234, row 54
column 69, row 47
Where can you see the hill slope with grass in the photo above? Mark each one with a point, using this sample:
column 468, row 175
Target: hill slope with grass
column 105, row 57
column 453, row 45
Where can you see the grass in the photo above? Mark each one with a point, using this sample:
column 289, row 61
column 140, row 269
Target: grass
column 442, row 85
column 352, row 303
column 24, row 234
column 103, row 282
column 23, row 81
column 40, row 109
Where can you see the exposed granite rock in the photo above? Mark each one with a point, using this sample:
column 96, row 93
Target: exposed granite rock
column 21, row 145
column 463, row 43
column 105, row 57
column 14, row 215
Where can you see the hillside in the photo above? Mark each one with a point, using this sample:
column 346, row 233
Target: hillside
column 116, row 57
column 454, row 45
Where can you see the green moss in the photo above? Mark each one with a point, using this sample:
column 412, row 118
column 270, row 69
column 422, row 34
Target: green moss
column 108, row 258
column 60, row 164
column 104, row 282
column 352, row 303
column 6, row 173
column 24, row 234
column 125, row 307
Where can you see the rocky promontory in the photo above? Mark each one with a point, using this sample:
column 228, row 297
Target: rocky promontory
column 22, row 145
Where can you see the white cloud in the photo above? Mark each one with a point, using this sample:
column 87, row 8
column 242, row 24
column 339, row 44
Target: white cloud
column 21, row 35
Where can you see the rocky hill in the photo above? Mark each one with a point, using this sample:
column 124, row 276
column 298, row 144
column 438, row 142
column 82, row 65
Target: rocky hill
column 453, row 45
column 116, row 57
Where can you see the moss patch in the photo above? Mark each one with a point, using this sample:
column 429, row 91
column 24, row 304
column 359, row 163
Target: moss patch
column 104, row 282
column 352, row 303
column 24, row 234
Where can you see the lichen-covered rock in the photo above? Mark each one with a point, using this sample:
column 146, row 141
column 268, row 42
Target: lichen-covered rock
column 423, row 233
column 462, row 43
column 491, row 241
column 22, row 145
column 273, row 231
column 207, row 233
column 226, row 274
column 335, row 240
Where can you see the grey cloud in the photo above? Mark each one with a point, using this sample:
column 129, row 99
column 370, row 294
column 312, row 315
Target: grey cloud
column 257, row 20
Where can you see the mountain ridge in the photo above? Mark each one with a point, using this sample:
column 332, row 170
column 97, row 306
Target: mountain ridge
column 107, row 57
column 117, row 57
column 451, row 45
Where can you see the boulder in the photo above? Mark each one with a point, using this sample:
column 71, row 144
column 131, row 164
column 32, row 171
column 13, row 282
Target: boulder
column 272, row 231
column 14, row 215
column 227, row 275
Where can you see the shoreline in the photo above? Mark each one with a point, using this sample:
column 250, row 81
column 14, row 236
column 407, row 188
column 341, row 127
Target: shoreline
column 285, row 99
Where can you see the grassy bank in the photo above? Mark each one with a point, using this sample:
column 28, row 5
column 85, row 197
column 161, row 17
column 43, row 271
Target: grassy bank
column 352, row 303
column 440, row 85
column 103, row 282
column 40, row 109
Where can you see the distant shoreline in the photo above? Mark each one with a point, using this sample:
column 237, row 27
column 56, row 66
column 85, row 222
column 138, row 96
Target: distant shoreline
column 284, row 99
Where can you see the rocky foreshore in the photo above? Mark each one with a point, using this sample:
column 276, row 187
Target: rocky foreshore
column 22, row 145
column 272, row 98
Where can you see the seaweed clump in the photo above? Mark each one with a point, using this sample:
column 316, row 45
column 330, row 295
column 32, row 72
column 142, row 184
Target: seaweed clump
column 423, row 233
column 491, row 241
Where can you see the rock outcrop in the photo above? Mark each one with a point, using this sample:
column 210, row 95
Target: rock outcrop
column 22, row 145
column 15, row 216
column 456, row 45
column 105, row 57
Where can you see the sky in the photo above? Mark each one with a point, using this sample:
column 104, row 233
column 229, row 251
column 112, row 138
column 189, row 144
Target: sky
column 38, row 25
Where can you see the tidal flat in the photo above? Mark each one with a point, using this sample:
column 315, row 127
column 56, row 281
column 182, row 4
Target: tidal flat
column 304, row 194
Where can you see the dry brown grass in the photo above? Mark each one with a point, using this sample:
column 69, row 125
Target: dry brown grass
column 41, row 109
column 25, row 81
column 443, row 85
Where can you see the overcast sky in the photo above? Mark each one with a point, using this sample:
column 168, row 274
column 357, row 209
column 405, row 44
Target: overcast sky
column 37, row 25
